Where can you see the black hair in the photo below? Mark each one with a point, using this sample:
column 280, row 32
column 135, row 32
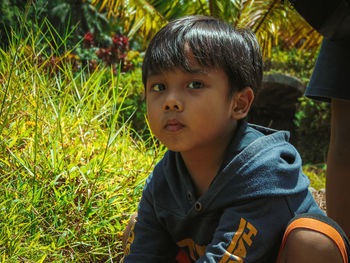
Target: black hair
column 213, row 43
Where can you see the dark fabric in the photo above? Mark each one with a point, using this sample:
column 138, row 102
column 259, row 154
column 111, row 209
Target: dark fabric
column 332, row 70
column 244, row 213
column 330, row 18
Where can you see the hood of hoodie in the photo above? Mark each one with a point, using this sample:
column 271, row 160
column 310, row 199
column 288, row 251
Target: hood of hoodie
column 259, row 162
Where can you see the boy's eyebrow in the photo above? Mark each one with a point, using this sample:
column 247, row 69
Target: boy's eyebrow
column 202, row 71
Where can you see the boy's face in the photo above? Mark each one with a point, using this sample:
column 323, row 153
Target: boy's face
column 191, row 111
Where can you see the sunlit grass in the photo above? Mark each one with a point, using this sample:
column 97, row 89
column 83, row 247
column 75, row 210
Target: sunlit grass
column 71, row 172
column 317, row 175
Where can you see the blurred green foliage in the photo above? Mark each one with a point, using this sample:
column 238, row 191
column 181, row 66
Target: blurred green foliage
column 317, row 175
column 312, row 118
column 74, row 16
column 9, row 13
column 295, row 62
column 313, row 130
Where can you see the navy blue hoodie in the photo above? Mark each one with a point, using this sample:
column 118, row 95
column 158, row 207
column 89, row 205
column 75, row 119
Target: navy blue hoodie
column 241, row 217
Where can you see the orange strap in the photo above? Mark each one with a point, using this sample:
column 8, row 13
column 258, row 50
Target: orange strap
column 319, row 226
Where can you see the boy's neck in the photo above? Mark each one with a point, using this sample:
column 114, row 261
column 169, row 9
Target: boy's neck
column 203, row 165
column 202, row 171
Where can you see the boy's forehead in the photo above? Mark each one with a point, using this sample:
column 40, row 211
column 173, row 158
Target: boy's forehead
column 189, row 55
column 190, row 65
column 186, row 59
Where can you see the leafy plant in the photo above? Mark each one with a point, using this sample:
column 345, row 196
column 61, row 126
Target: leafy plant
column 313, row 130
column 67, row 16
column 114, row 54
column 10, row 11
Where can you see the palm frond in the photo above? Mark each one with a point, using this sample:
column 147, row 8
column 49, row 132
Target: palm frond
column 299, row 33
column 265, row 18
column 134, row 13
column 273, row 21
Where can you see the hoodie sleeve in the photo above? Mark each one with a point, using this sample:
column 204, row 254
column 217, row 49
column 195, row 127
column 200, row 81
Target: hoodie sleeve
column 149, row 241
column 249, row 232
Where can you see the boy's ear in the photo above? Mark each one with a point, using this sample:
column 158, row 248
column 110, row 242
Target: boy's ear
column 242, row 101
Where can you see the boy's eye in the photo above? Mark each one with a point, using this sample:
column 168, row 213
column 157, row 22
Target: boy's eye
column 158, row 87
column 195, row 85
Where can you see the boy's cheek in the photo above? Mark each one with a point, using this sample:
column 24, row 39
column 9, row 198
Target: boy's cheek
column 153, row 123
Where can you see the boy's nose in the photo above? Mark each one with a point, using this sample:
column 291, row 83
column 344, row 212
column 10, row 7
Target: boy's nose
column 172, row 105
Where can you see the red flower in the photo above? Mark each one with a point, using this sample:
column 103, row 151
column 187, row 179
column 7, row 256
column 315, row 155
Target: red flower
column 121, row 42
column 89, row 36
column 105, row 54
column 88, row 40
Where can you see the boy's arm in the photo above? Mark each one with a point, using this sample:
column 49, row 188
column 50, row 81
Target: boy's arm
column 148, row 241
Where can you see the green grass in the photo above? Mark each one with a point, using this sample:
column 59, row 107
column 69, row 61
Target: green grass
column 317, row 175
column 71, row 170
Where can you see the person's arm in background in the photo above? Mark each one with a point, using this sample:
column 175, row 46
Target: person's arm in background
column 338, row 165
column 330, row 82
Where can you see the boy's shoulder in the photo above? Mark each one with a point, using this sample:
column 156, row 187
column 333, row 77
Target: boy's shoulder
column 252, row 138
column 256, row 143
column 262, row 129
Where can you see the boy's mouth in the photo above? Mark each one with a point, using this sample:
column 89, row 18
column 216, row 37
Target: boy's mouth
column 173, row 125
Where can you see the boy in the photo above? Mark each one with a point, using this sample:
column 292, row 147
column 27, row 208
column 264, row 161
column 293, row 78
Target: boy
column 226, row 190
